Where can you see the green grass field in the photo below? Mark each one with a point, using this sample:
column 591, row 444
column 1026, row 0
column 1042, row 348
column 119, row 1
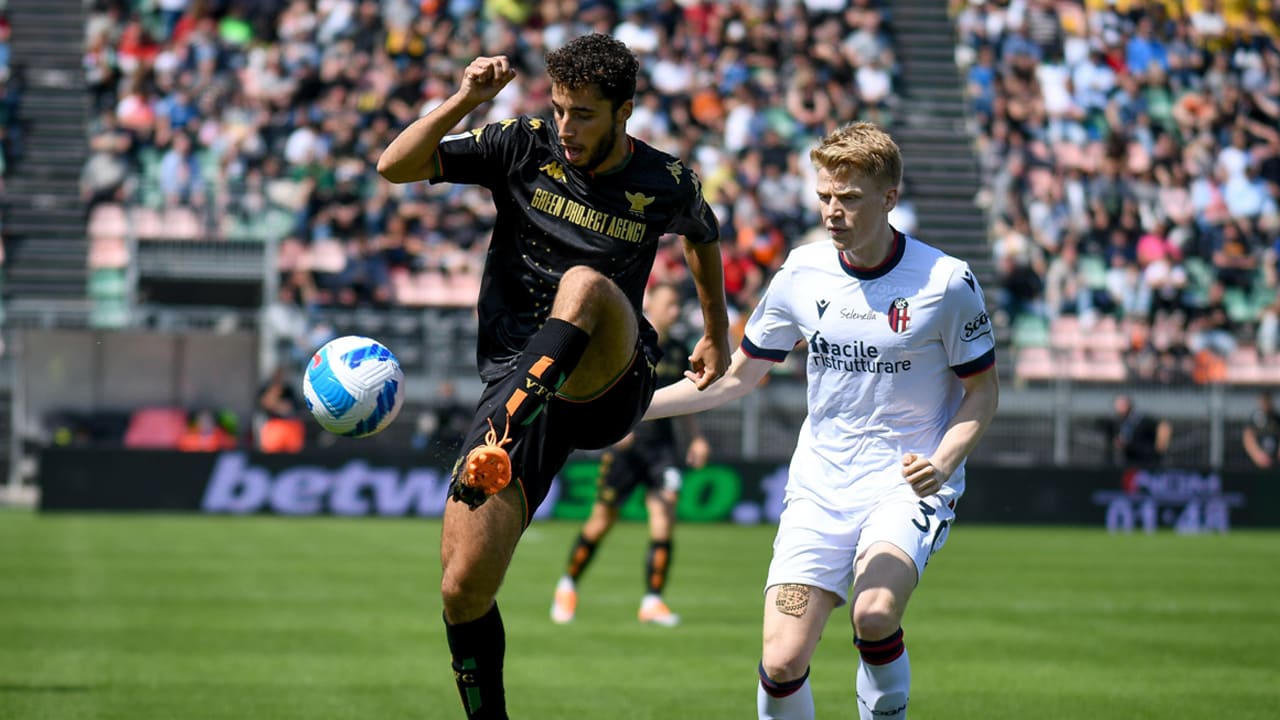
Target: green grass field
column 143, row 618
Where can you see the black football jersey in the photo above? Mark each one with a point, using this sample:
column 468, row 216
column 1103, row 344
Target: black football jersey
column 552, row 216
column 670, row 370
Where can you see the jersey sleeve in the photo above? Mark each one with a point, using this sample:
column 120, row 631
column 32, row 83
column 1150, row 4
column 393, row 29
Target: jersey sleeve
column 697, row 222
column 967, row 334
column 771, row 331
column 482, row 155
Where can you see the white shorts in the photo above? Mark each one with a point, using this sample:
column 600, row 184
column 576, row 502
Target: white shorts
column 818, row 546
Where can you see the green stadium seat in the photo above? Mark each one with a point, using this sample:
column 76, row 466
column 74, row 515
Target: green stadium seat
column 1239, row 306
column 1093, row 271
column 1030, row 331
column 108, row 283
column 109, row 313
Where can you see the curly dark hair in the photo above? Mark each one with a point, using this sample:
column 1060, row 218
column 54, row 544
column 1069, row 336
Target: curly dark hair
column 599, row 60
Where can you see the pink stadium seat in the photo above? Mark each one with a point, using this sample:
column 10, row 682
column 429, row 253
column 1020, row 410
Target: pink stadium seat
column 292, row 255
column 155, row 428
column 182, row 223
column 108, row 220
column 108, row 251
column 1065, row 333
column 1034, row 363
column 148, row 224
column 1097, row 366
column 327, row 256
column 463, row 289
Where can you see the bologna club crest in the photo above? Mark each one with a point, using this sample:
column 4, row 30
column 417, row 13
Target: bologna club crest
column 898, row 316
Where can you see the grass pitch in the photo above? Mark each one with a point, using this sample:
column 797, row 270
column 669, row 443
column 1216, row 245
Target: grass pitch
column 151, row 617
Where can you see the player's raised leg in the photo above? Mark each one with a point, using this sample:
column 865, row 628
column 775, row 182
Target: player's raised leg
column 794, row 616
column 586, row 343
column 884, row 579
column 475, row 549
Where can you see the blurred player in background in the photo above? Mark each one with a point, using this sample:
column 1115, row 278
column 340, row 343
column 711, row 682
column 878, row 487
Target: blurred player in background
column 648, row 458
column 901, row 386
column 566, row 355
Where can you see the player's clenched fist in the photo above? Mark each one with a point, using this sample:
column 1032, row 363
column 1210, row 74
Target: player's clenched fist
column 921, row 474
column 485, row 77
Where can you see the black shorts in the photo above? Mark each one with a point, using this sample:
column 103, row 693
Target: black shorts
column 654, row 466
column 565, row 425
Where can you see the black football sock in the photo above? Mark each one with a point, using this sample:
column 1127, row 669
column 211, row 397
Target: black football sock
column 477, row 648
column 657, row 565
column 580, row 557
column 545, row 363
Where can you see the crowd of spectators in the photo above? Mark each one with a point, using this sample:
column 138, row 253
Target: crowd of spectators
column 278, row 110
column 1131, row 160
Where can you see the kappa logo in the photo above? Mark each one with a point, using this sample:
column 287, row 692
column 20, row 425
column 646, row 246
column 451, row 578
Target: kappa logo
column 554, row 170
column 535, row 123
column 639, row 201
column 968, row 280
column 476, row 133
column 822, row 304
column 898, row 316
column 676, row 169
column 507, row 123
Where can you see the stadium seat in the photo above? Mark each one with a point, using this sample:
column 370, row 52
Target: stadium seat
column 182, row 223
column 1034, row 363
column 1093, row 271
column 156, row 428
column 1030, row 331
column 327, row 256
column 1098, row 366
column 108, row 220
column 1064, row 332
column 108, row 252
column 148, row 223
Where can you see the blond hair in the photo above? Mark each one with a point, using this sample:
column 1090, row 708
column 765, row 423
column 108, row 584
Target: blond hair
column 861, row 148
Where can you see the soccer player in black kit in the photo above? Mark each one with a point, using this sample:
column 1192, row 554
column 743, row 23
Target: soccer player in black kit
column 648, row 458
column 566, row 355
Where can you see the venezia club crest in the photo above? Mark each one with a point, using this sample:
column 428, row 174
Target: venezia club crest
column 898, row 316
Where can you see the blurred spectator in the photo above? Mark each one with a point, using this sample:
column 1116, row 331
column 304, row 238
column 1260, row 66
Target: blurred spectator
column 205, row 433
column 324, row 86
column 1261, row 437
column 441, row 430
column 280, row 421
column 1150, row 129
column 1136, row 439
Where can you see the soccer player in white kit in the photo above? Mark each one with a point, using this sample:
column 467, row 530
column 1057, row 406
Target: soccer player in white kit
column 901, row 386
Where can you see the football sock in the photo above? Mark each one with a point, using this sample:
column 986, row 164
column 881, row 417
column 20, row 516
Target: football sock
column 580, row 557
column 477, row 648
column 657, row 564
column 545, row 363
column 884, row 677
column 791, row 700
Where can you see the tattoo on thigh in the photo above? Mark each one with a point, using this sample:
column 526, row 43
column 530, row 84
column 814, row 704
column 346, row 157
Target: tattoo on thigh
column 792, row 600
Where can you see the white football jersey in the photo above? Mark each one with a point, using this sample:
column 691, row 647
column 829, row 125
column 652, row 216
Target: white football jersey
column 886, row 347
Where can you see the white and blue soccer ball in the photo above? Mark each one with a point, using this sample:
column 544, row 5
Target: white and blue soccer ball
column 353, row 386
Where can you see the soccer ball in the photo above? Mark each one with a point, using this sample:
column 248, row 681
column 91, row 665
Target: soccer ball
column 353, row 386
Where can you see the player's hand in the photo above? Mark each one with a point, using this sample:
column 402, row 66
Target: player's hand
column 485, row 77
column 698, row 452
column 709, row 361
column 924, row 478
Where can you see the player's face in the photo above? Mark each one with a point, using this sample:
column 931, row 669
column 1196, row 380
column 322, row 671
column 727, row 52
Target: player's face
column 591, row 131
column 662, row 307
column 854, row 208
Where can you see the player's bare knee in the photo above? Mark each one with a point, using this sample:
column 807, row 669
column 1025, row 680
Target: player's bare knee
column 875, row 615
column 783, row 667
column 464, row 599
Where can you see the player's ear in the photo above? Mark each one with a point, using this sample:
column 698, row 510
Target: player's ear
column 890, row 198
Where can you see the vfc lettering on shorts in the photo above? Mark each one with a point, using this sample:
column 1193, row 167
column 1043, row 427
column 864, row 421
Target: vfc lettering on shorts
column 536, row 388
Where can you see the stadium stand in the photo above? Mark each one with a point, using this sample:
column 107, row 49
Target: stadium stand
column 1132, row 169
column 259, row 124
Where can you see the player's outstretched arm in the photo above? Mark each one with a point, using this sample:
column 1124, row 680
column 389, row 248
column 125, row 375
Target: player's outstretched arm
column 683, row 398
column 412, row 155
column 710, row 358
